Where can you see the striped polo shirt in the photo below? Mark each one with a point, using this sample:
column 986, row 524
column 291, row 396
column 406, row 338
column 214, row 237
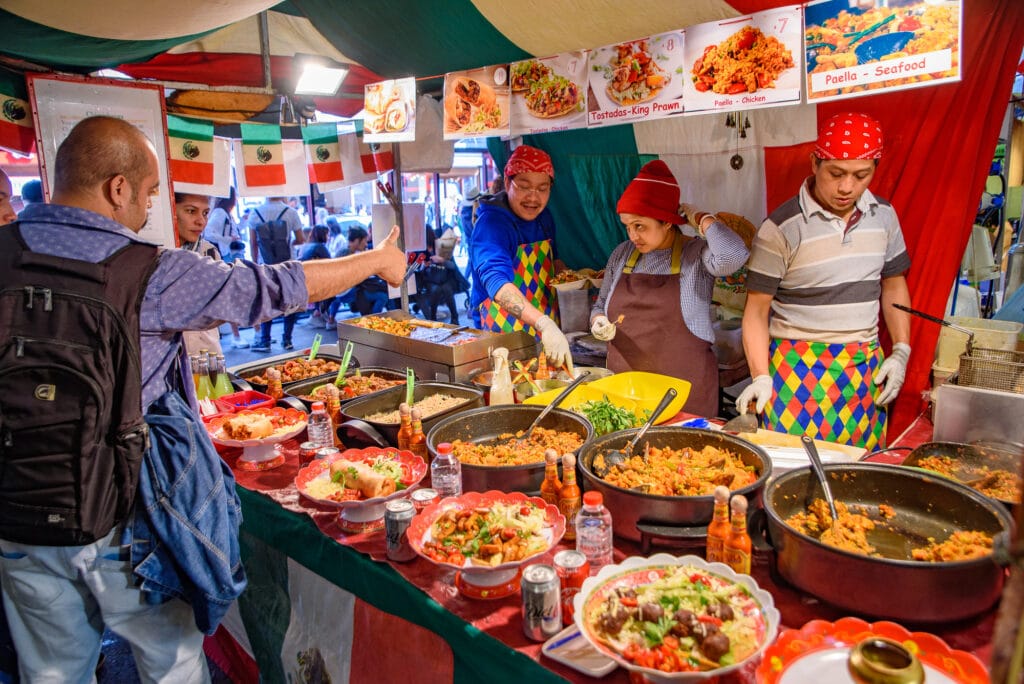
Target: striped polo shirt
column 825, row 279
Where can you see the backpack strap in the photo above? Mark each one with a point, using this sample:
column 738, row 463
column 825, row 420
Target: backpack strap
column 283, row 212
column 257, row 212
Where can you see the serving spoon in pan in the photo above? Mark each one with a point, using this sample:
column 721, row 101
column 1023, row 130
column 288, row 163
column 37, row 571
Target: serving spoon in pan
column 819, row 472
column 617, row 458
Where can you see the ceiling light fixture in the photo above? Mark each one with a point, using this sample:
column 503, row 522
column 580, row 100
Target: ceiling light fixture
column 318, row 75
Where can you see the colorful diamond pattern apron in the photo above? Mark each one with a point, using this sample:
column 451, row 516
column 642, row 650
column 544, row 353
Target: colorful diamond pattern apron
column 534, row 269
column 826, row 391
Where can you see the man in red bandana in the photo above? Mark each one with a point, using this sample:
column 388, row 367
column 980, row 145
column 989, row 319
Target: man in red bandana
column 513, row 255
column 819, row 267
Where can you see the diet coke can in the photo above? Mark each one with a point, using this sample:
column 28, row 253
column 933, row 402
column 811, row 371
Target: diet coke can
column 542, row 609
column 421, row 498
column 327, row 452
column 307, row 453
column 397, row 516
column 572, row 568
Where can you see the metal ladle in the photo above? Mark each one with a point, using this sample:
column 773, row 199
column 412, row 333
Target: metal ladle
column 819, row 472
column 617, row 458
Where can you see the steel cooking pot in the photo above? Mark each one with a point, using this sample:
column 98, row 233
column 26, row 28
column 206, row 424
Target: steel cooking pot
column 630, row 507
column 893, row 587
column 356, row 410
column 487, row 424
column 973, row 462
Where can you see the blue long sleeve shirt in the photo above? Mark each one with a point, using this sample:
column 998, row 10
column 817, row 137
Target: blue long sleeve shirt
column 496, row 235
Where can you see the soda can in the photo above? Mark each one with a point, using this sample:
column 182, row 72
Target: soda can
column 397, row 516
column 421, row 498
column 324, row 452
column 542, row 607
column 572, row 568
column 307, row 453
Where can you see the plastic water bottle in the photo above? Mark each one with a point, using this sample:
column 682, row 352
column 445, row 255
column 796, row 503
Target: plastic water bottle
column 319, row 426
column 594, row 531
column 446, row 472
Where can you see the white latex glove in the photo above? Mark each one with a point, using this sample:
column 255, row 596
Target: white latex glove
column 693, row 215
column 553, row 340
column 760, row 391
column 602, row 328
column 891, row 373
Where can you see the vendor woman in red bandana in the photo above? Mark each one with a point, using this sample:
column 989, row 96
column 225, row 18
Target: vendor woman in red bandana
column 659, row 281
column 513, row 255
column 819, row 266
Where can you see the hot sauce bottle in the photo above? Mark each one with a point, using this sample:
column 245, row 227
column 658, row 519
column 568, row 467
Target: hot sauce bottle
column 418, row 440
column 405, row 429
column 720, row 527
column 274, row 388
column 550, row 488
column 569, row 496
column 737, row 546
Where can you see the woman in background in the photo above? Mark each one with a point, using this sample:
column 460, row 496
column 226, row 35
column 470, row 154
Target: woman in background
column 659, row 282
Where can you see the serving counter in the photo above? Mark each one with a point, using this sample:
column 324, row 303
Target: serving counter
column 323, row 600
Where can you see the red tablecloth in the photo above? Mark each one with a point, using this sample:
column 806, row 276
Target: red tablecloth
column 500, row 618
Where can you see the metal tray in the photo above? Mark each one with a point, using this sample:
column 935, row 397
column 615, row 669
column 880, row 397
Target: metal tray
column 304, row 386
column 389, row 400
column 255, row 367
column 419, row 344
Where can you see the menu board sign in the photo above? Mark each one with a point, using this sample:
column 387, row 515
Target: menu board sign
column 390, row 111
column 549, row 94
column 476, row 103
column 855, row 51
column 636, row 81
column 744, row 62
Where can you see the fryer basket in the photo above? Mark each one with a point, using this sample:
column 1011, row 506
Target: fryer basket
column 996, row 369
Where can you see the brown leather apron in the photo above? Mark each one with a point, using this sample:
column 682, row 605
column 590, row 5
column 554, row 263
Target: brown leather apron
column 653, row 336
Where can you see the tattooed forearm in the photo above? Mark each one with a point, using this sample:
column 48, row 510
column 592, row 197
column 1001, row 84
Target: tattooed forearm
column 514, row 303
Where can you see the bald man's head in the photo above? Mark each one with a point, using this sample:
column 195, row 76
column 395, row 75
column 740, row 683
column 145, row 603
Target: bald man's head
column 107, row 165
column 97, row 149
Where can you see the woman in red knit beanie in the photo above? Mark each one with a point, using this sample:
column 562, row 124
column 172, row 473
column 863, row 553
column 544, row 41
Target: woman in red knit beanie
column 654, row 309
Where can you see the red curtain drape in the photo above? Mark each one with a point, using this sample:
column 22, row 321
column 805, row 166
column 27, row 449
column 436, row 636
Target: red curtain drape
column 939, row 143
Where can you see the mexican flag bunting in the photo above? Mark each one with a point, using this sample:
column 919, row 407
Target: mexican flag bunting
column 262, row 154
column 376, row 157
column 191, row 146
column 17, row 131
column 323, row 153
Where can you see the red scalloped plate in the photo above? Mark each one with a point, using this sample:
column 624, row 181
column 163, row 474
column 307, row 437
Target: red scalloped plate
column 415, row 467
column 818, row 652
column 419, row 528
column 290, row 421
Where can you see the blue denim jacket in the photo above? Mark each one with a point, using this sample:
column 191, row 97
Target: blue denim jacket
column 184, row 532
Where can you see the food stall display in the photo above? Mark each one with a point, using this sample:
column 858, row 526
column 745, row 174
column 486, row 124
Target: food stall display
column 360, row 482
column 442, row 351
column 486, row 537
column 639, row 511
column 295, row 367
column 485, row 465
column 676, row 617
column 909, row 510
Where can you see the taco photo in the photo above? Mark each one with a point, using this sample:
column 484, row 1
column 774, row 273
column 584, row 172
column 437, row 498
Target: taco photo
column 553, row 96
column 635, row 76
column 524, row 74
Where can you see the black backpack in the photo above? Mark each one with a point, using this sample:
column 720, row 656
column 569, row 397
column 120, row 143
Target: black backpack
column 72, row 434
column 273, row 238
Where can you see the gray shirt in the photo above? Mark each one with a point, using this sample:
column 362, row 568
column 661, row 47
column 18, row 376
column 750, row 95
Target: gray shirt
column 722, row 254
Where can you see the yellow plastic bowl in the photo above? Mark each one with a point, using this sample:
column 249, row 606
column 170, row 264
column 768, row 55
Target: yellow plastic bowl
column 637, row 391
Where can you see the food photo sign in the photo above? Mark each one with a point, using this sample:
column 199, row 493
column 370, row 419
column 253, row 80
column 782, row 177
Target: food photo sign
column 476, row 103
column 549, row 94
column 745, row 62
column 390, row 111
column 859, row 50
column 636, row 81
